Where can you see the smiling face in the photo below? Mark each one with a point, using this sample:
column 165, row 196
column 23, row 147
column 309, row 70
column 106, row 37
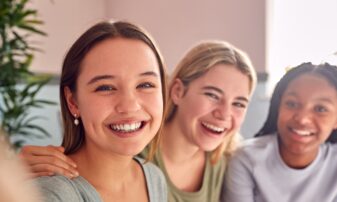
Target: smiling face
column 307, row 116
column 212, row 105
column 119, row 96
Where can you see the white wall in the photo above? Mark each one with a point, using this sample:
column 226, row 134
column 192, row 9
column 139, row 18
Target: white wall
column 64, row 22
column 177, row 25
column 301, row 31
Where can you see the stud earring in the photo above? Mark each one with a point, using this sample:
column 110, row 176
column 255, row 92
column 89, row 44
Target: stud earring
column 76, row 121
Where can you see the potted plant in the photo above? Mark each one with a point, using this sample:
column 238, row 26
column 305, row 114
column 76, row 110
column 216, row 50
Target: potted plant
column 18, row 85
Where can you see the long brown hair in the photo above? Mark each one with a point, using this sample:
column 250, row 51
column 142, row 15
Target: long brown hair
column 74, row 135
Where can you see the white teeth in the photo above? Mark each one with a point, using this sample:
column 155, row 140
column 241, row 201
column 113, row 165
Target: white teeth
column 302, row 132
column 126, row 127
column 213, row 128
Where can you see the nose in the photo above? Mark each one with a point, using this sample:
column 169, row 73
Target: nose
column 223, row 111
column 127, row 102
column 302, row 116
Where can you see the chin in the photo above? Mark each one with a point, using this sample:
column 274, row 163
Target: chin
column 209, row 148
column 133, row 150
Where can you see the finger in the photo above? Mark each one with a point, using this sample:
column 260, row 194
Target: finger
column 48, row 169
column 39, row 174
column 52, row 161
column 52, row 151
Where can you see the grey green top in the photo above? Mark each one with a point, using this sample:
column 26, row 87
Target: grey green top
column 211, row 184
column 61, row 189
column 257, row 173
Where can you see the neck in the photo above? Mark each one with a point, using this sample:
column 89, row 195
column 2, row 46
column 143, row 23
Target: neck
column 97, row 166
column 175, row 147
column 297, row 161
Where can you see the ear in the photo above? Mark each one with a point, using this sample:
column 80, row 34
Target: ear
column 71, row 101
column 177, row 91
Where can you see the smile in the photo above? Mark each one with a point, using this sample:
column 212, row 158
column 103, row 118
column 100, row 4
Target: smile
column 302, row 132
column 127, row 127
column 213, row 128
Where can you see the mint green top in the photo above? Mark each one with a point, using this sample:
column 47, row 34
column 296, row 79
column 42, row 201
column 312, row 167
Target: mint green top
column 61, row 189
column 211, row 184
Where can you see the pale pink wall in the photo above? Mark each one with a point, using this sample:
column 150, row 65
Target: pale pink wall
column 175, row 24
column 64, row 21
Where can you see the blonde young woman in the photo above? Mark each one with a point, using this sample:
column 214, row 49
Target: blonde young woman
column 208, row 98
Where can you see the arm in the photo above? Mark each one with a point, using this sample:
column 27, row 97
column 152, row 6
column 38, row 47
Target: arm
column 238, row 183
column 48, row 160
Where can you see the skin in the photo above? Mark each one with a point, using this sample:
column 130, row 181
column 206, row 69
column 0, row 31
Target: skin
column 209, row 111
column 207, row 101
column 307, row 116
column 119, row 87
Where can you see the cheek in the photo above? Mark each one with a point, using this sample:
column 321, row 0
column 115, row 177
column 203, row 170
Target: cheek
column 93, row 107
column 239, row 117
column 154, row 104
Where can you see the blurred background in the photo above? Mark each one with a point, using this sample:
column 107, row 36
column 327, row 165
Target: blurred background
column 276, row 34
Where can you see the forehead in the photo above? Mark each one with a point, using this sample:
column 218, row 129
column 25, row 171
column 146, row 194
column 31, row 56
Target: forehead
column 226, row 75
column 119, row 56
column 311, row 85
column 227, row 78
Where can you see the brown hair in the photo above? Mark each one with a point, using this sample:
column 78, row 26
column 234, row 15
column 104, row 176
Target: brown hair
column 74, row 135
column 199, row 60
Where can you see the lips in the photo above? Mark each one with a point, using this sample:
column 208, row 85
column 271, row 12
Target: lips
column 302, row 132
column 127, row 128
column 212, row 128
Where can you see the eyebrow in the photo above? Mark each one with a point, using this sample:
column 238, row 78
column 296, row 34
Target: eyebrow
column 110, row 77
column 320, row 99
column 100, row 77
column 242, row 98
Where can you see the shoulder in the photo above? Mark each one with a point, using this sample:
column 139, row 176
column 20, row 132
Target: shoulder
column 58, row 188
column 151, row 171
column 256, row 149
column 329, row 150
column 258, row 143
column 155, row 179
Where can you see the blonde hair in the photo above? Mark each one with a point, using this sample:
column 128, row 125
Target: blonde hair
column 199, row 60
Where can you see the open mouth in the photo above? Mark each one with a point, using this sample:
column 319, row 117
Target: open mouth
column 213, row 128
column 302, row 132
column 127, row 127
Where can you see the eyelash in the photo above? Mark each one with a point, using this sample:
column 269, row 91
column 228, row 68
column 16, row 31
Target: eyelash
column 320, row 109
column 240, row 105
column 105, row 88
column 212, row 95
column 146, row 85
column 291, row 104
column 294, row 105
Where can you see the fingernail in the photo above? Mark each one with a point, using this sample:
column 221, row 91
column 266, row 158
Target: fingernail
column 76, row 174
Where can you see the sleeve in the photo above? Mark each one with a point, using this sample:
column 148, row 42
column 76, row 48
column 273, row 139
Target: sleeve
column 238, row 183
column 57, row 189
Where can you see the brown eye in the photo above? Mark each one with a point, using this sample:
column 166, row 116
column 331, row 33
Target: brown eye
column 105, row 88
column 291, row 104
